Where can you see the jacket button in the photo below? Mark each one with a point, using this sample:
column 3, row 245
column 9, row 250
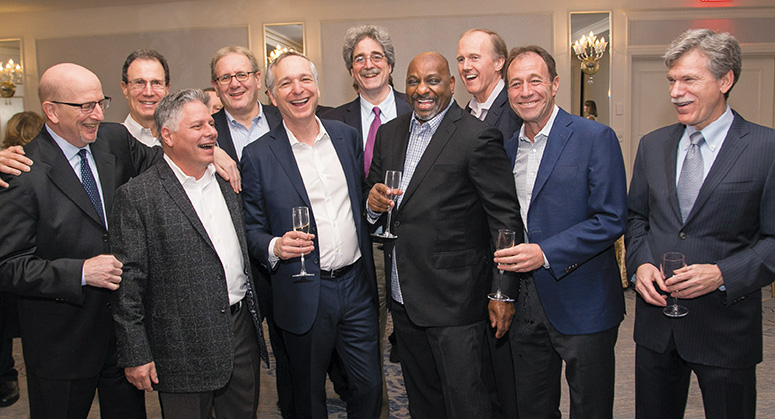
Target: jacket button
column 225, row 309
column 397, row 223
column 105, row 237
column 682, row 235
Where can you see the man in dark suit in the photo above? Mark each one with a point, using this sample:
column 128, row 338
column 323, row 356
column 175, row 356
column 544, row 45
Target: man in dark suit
column 481, row 58
column 201, row 350
column 440, row 268
column 370, row 58
column 295, row 165
column 236, row 78
column 571, row 186
column 54, row 250
column 705, row 188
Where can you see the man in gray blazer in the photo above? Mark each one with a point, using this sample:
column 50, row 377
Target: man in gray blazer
column 187, row 319
column 720, row 216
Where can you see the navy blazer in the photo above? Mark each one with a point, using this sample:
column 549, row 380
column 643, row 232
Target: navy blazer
column 272, row 185
column 577, row 211
column 350, row 113
column 732, row 225
column 271, row 113
column 501, row 116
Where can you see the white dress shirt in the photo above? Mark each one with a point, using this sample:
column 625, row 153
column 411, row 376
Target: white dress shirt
column 144, row 135
column 387, row 109
column 207, row 199
column 480, row 110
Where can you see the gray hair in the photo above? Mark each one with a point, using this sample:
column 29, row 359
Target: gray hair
column 234, row 49
column 356, row 34
column 270, row 77
column 169, row 112
column 722, row 50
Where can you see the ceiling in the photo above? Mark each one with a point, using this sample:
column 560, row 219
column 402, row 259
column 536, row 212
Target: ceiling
column 15, row 6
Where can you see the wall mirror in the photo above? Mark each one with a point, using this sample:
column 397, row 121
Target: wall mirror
column 11, row 49
column 594, row 82
column 279, row 37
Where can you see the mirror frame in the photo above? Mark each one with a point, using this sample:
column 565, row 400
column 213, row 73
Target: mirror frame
column 268, row 25
column 574, row 68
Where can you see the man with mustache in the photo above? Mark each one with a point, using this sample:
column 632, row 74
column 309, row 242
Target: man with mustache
column 369, row 57
column 704, row 187
column 457, row 191
column 145, row 80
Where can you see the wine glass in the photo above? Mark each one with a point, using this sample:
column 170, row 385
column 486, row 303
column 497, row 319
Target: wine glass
column 301, row 223
column 392, row 181
column 506, row 239
column 671, row 261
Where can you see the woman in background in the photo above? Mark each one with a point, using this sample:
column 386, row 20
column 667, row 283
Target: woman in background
column 22, row 128
column 590, row 110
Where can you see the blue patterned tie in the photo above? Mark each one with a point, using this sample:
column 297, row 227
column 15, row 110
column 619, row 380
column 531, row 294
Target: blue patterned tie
column 690, row 181
column 90, row 185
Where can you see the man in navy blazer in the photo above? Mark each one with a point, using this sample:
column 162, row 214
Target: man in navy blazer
column 571, row 185
column 727, row 235
column 295, row 165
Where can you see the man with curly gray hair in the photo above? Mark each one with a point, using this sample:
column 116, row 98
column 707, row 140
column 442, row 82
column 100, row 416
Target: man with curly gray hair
column 704, row 187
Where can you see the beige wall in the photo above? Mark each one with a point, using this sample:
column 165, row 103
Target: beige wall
column 230, row 13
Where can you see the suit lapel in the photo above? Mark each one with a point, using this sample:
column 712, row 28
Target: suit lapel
column 497, row 108
column 106, row 167
column 669, row 158
column 352, row 116
column 730, row 151
column 172, row 185
column 438, row 142
column 559, row 135
column 61, row 173
column 224, row 134
column 281, row 147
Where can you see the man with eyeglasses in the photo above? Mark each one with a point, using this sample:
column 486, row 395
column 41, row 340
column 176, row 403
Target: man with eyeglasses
column 570, row 183
column 55, row 254
column 369, row 57
column 237, row 81
column 145, row 80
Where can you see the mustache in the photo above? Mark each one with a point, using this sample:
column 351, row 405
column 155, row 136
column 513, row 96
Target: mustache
column 366, row 72
column 681, row 99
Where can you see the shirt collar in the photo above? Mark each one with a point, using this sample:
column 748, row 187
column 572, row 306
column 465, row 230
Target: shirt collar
column 476, row 106
column 322, row 133
column 545, row 130
column 68, row 149
column 253, row 121
column 716, row 131
column 135, row 126
column 186, row 179
column 434, row 122
column 383, row 106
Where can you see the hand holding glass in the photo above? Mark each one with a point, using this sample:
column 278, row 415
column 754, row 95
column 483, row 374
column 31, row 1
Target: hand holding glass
column 672, row 261
column 506, row 239
column 392, row 181
column 301, row 223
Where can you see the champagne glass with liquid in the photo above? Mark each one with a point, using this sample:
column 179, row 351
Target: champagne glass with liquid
column 392, row 181
column 671, row 261
column 506, row 239
column 301, row 223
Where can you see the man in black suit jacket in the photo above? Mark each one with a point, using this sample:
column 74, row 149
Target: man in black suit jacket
column 236, row 78
column 457, row 192
column 54, row 250
column 724, row 226
column 369, row 57
column 200, row 349
column 481, row 56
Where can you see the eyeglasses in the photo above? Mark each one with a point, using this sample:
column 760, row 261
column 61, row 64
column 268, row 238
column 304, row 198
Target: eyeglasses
column 87, row 107
column 240, row 76
column 375, row 59
column 139, row 84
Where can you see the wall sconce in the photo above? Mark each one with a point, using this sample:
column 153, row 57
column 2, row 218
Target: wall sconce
column 589, row 50
column 11, row 74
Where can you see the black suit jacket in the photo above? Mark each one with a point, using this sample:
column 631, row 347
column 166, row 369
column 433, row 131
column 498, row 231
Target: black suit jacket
column 157, row 316
column 49, row 228
column 350, row 113
column 732, row 225
column 501, row 116
column 461, row 193
column 271, row 113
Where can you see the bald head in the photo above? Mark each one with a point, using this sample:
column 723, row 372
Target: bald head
column 429, row 85
column 62, row 89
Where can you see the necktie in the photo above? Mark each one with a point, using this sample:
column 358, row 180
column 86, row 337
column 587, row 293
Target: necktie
column 368, row 153
column 690, row 181
column 90, row 185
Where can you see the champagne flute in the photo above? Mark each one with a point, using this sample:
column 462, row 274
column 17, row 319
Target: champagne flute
column 301, row 223
column 392, row 181
column 671, row 261
column 506, row 239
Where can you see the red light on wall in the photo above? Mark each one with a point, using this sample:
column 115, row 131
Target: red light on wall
column 715, row 1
